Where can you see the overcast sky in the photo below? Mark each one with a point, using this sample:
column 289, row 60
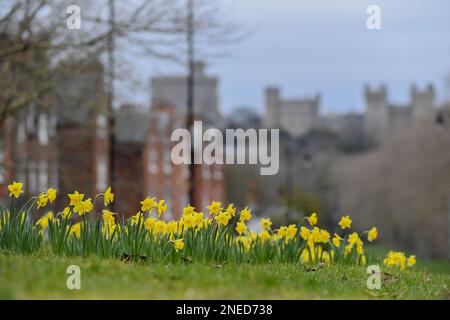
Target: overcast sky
column 324, row 46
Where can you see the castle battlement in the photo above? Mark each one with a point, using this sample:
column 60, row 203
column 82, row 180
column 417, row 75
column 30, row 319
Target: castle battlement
column 382, row 117
column 380, row 93
column 295, row 116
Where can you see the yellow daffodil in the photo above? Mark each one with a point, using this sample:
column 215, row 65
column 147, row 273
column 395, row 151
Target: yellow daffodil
column 264, row 236
column 108, row 229
column 223, row 218
column 214, row 207
column 244, row 242
column 137, row 219
column 198, row 219
column 109, row 224
column 345, row 222
column 282, row 231
column 304, row 257
column 75, row 198
column 336, row 241
column 372, row 234
column 315, row 234
column 161, row 208
column 108, row 197
column 359, row 248
column 313, row 219
column 304, row 233
column 189, row 210
column 171, row 227
column 43, row 221
column 108, row 217
column 178, row 244
column 83, row 207
column 231, row 210
column 188, row 221
column 411, row 261
column 396, row 259
column 159, row 227
column 266, row 223
column 51, row 194
column 245, row 215
column 353, row 238
column 148, row 204
column 241, row 228
column 291, row 231
column 324, row 236
column 75, row 229
column 149, row 223
column 67, row 213
column 224, row 228
column 15, row 189
column 42, row 200
column 326, row 258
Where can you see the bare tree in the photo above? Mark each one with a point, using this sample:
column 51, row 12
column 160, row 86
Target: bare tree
column 34, row 38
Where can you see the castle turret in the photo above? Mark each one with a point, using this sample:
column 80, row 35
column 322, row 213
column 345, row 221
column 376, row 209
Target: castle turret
column 377, row 112
column 422, row 102
column 272, row 96
column 316, row 105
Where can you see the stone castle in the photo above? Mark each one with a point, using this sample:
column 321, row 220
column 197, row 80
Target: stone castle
column 380, row 119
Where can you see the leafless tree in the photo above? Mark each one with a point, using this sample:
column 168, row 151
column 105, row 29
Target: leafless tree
column 34, row 38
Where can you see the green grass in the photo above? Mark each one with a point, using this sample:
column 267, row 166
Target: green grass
column 44, row 277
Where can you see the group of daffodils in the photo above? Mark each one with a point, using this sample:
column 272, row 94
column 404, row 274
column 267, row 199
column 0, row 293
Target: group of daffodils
column 311, row 243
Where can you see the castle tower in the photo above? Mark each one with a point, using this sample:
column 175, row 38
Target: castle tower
column 294, row 116
column 422, row 102
column 377, row 113
column 172, row 90
column 272, row 118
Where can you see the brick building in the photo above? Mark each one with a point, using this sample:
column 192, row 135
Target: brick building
column 27, row 150
column 65, row 146
column 59, row 141
column 81, row 140
column 144, row 166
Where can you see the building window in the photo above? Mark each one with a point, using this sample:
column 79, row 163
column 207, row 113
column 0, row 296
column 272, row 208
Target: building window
column 52, row 126
column 31, row 120
column 167, row 162
column 206, row 173
column 43, row 175
column 20, row 133
column 163, row 122
column 152, row 161
column 32, row 176
column 218, row 173
column 186, row 171
column 43, row 129
column 102, row 173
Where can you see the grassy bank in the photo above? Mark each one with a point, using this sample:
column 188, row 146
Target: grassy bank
column 44, row 277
